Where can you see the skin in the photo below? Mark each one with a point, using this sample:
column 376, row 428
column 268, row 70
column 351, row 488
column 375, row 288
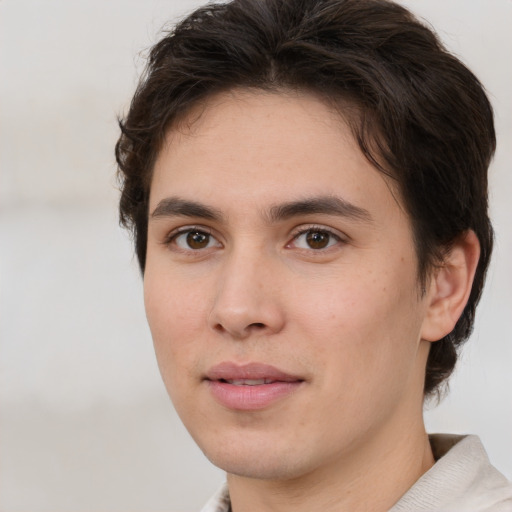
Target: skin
column 348, row 317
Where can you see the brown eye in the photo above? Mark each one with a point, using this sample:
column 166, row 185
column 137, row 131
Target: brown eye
column 315, row 239
column 198, row 239
column 318, row 239
column 194, row 240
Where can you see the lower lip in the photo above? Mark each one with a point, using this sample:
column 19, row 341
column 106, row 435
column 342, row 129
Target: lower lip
column 251, row 398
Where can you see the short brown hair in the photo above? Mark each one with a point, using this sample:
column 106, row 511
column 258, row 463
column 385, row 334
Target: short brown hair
column 423, row 117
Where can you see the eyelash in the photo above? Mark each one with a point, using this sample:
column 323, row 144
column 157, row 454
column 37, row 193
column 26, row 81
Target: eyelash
column 316, row 229
column 171, row 238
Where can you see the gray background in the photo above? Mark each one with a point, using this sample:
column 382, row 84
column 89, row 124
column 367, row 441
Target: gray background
column 85, row 421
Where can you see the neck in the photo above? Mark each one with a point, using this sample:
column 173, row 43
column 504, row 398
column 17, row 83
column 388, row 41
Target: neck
column 370, row 477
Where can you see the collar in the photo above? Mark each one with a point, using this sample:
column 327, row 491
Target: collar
column 461, row 479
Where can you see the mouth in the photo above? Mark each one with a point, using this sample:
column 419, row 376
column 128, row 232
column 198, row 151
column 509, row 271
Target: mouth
column 251, row 386
column 251, row 374
column 248, row 382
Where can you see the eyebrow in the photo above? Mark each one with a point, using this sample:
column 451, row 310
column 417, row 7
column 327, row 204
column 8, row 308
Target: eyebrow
column 326, row 205
column 177, row 207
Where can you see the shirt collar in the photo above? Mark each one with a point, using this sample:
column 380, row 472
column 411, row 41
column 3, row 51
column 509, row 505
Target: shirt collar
column 461, row 477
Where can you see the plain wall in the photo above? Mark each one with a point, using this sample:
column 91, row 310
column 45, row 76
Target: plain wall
column 85, row 422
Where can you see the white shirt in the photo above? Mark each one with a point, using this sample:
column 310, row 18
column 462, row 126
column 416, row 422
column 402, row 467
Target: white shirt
column 462, row 480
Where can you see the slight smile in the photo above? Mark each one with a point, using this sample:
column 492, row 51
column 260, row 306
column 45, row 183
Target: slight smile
column 251, row 386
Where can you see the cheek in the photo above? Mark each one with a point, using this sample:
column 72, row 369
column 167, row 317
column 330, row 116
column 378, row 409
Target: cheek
column 366, row 350
column 174, row 313
column 173, row 303
column 367, row 329
column 351, row 304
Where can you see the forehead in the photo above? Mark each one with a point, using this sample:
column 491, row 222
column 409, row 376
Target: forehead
column 257, row 119
column 248, row 147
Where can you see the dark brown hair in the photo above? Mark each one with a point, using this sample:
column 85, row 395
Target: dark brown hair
column 422, row 117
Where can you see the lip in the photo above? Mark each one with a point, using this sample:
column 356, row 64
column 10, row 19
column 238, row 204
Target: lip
column 225, row 382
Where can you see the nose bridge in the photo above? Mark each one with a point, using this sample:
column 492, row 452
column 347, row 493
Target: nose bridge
column 246, row 299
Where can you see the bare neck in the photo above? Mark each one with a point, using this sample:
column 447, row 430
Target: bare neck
column 371, row 477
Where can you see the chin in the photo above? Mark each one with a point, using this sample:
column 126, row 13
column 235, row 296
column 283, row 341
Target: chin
column 258, row 458
column 258, row 466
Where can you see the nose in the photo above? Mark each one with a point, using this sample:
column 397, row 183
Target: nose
column 247, row 301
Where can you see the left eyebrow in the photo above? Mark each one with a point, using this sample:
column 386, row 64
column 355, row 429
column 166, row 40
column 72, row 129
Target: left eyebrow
column 327, row 205
column 177, row 207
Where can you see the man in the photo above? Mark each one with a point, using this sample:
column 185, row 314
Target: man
column 306, row 181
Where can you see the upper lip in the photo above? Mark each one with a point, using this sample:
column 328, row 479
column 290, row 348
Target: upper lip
column 252, row 371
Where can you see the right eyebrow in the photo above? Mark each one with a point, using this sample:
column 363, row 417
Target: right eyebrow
column 327, row 205
column 177, row 207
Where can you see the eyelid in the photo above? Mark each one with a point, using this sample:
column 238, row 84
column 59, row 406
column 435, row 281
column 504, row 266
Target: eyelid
column 298, row 231
column 172, row 235
column 185, row 229
column 303, row 229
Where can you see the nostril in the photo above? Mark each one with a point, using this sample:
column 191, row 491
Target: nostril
column 257, row 325
column 218, row 327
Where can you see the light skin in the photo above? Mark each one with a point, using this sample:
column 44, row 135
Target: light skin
column 272, row 240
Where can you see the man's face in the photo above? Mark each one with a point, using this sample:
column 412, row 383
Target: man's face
column 281, row 287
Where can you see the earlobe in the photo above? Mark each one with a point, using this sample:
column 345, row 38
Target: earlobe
column 450, row 287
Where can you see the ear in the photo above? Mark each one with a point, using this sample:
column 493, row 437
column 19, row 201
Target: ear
column 450, row 287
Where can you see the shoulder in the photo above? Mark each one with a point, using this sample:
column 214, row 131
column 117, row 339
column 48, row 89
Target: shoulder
column 461, row 479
